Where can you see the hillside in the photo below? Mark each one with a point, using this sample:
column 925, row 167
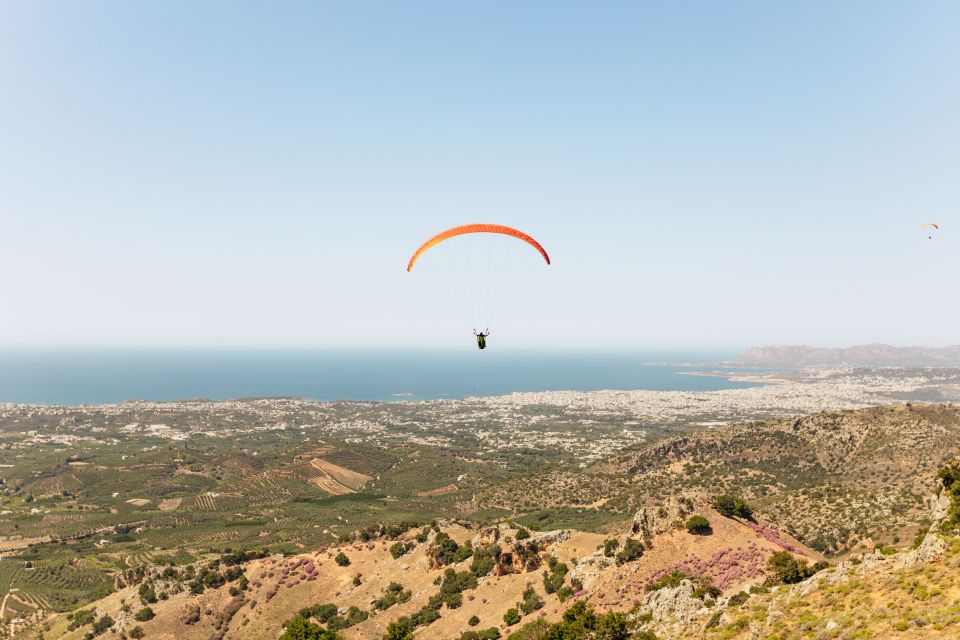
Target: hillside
column 732, row 556
column 234, row 534
column 720, row 584
column 834, row 480
column 867, row 355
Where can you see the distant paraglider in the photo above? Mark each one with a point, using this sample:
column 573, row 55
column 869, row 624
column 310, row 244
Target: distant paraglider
column 930, row 225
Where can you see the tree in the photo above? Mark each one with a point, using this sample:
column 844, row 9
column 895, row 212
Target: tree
column 302, row 629
column 787, row 569
column 402, row 629
column 512, row 616
column 698, row 525
column 731, row 505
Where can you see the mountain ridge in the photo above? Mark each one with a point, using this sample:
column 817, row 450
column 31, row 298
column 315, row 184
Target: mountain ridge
column 873, row 354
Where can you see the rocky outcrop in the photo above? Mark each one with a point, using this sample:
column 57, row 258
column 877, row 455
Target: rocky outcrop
column 673, row 611
column 654, row 520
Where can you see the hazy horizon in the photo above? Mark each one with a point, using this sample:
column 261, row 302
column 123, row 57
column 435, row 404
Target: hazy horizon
column 210, row 174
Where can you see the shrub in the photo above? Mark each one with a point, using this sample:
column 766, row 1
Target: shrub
column 398, row 549
column 553, row 580
column 393, row 594
column 730, row 505
column 136, row 633
column 102, row 625
column 484, row 560
column 511, row 617
column 402, row 629
column 610, row 547
column 146, row 593
column 144, row 614
column 322, row 612
column 668, row 580
column 698, row 525
column 531, row 601
column 342, row 559
column 786, row 569
column 579, row 622
column 632, row 549
column 446, row 551
column 473, row 621
column 522, row 534
column 354, row 616
column 301, row 629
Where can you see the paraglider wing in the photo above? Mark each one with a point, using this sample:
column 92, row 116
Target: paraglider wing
column 930, row 225
column 476, row 228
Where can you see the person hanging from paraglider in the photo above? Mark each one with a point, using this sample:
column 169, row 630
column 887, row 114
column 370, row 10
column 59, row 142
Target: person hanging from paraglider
column 469, row 229
column 481, row 338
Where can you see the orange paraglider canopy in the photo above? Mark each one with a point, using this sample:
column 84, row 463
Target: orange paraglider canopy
column 476, row 228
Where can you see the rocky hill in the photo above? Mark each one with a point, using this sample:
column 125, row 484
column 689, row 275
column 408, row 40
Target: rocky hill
column 834, row 480
column 445, row 576
column 867, row 355
column 656, row 539
column 657, row 579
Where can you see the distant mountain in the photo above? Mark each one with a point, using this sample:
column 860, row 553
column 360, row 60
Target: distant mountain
column 863, row 355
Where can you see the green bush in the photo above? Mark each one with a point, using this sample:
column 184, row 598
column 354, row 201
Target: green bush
column 398, row 549
column 632, row 549
column 144, row 614
column 522, row 534
column 393, row 594
column 531, row 601
column 322, row 612
column 579, row 623
column 610, row 547
column 553, row 579
column 486, row 634
column 473, row 621
column 731, row 505
column 302, row 629
column 402, row 629
column 146, row 593
column 342, row 559
column 698, row 525
column 102, row 625
column 668, row 580
column 786, row 569
column 484, row 560
column 511, row 617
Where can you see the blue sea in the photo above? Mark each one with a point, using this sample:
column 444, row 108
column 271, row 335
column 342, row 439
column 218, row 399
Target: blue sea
column 89, row 376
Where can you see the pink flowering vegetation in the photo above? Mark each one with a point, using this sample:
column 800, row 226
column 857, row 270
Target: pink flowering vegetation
column 293, row 573
column 771, row 534
column 726, row 568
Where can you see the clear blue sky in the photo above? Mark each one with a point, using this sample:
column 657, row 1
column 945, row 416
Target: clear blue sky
column 705, row 174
